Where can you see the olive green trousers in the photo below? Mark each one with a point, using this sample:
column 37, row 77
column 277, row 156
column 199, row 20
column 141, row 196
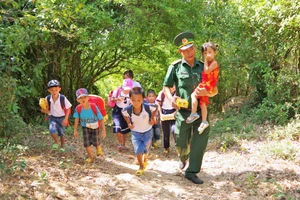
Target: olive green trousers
column 189, row 143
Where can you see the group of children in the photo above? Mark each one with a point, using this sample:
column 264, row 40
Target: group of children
column 133, row 112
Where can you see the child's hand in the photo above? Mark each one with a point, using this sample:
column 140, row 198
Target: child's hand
column 174, row 98
column 130, row 126
column 65, row 122
column 103, row 133
column 76, row 134
column 46, row 111
column 152, row 121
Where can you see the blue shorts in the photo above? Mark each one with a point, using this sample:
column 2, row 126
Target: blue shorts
column 55, row 125
column 141, row 141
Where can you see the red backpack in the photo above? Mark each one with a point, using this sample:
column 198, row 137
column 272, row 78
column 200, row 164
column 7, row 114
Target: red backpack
column 110, row 102
column 94, row 101
column 99, row 101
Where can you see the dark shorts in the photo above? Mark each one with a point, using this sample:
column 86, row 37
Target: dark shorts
column 90, row 137
column 55, row 125
column 119, row 125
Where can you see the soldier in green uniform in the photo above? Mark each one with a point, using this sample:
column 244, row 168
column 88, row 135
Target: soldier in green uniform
column 186, row 75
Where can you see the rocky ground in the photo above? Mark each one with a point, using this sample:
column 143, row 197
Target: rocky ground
column 237, row 173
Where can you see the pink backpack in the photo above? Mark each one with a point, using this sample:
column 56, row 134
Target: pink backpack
column 110, row 102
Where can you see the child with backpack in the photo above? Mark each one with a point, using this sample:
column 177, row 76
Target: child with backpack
column 167, row 117
column 151, row 96
column 121, row 98
column 140, row 118
column 89, row 115
column 58, row 110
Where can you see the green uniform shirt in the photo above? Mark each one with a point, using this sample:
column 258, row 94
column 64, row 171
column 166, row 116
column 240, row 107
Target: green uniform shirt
column 185, row 78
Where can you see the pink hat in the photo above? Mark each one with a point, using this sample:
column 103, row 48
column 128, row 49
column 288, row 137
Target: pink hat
column 127, row 84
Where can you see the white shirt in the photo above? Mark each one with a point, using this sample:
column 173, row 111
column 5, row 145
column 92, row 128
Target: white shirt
column 125, row 102
column 141, row 120
column 55, row 107
column 136, row 84
column 166, row 104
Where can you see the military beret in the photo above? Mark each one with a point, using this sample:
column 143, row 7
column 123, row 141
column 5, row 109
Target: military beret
column 184, row 40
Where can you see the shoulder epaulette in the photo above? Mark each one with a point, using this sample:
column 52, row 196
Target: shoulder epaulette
column 176, row 62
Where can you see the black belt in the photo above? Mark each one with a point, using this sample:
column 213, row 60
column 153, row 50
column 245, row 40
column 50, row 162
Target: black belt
column 57, row 117
column 185, row 109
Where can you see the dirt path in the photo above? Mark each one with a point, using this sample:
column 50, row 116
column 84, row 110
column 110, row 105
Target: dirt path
column 235, row 174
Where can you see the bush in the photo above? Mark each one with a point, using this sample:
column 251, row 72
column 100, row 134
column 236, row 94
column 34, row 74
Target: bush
column 273, row 112
column 11, row 124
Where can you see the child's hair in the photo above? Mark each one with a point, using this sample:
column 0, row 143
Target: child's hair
column 137, row 90
column 150, row 91
column 209, row 44
column 128, row 73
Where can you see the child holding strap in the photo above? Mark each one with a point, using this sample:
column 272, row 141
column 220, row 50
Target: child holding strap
column 140, row 121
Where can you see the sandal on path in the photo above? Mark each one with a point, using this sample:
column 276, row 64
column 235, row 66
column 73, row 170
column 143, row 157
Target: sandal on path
column 192, row 118
column 89, row 160
column 55, row 146
column 203, row 126
column 145, row 165
column 139, row 172
column 99, row 151
column 119, row 147
column 125, row 148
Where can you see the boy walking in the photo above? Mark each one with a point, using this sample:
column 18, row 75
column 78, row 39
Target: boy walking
column 151, row 96
column 89, row 115
column 140, row 119
column 58, row 110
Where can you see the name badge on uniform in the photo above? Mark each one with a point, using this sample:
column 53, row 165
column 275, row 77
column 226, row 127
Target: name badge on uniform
column 92, row 125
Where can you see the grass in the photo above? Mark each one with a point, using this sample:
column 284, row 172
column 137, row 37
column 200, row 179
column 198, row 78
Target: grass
column 283, row 149
column 233, row 127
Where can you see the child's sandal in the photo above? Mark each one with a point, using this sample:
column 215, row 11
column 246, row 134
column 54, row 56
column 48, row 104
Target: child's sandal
column 202, row 127
column 55, row 146
column 139, row 172
column 192, row 118
column 119, row 147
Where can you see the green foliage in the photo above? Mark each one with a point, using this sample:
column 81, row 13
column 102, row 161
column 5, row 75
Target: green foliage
column 233, row 124
column 82, row 43
column 43, row 176
column 275, row 113
column 289, row 131
column 10, row 160
column 11, row 124
column 251, row 182
column 283, row 149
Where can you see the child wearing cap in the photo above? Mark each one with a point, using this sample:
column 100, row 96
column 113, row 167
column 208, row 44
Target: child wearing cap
column 122, row 100
column 88, row 114
column 58, row 113
column 140, row 121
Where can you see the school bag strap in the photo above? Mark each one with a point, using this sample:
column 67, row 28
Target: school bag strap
column 93, row 107
column 62, row 104
column 129, row 109
column 61, row 99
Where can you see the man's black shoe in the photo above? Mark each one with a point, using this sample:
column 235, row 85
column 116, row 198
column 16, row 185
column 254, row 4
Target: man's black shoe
column 195, row 179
